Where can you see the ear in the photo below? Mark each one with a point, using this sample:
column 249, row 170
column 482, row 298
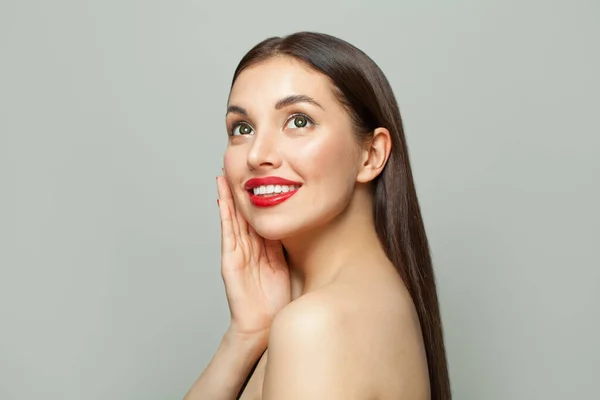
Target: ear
column 374, row 155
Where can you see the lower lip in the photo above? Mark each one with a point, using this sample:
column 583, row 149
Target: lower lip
column 269, row 201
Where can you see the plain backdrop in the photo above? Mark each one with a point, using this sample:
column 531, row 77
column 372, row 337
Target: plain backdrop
column 112, row 132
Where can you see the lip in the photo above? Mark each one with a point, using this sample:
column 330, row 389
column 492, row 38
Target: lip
column 273, row 200
column 269, row 201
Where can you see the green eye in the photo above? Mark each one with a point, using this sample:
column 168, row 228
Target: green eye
column 241, row 129
column 299, row 121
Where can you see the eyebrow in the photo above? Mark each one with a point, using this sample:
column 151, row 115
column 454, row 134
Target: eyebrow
column 285, row 102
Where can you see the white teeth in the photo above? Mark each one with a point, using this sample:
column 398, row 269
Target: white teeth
column 273, row 189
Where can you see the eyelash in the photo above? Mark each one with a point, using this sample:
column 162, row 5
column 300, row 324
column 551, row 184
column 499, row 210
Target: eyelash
column 234, row 125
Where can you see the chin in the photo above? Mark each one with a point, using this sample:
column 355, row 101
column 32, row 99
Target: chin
column 274, row 227
column 272, row 232
column 280, row 227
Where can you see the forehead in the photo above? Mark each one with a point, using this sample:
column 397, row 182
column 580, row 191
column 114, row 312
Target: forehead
column 278, row 77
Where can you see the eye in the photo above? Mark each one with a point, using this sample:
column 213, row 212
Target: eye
column 299, row 121
column 241, row 129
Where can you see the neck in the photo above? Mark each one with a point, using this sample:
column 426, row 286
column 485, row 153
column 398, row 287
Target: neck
column 317, row 256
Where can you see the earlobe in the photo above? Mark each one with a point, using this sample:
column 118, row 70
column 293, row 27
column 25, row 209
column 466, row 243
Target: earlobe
column 377, row 151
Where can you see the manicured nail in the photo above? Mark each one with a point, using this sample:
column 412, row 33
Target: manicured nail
column 217, row 202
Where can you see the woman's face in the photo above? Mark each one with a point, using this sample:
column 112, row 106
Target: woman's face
column 285, row 122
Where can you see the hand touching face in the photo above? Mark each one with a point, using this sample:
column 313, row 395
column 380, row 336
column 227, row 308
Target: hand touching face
column 284, row 121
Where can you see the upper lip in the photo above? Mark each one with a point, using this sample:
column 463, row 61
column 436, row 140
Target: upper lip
column 268, row 180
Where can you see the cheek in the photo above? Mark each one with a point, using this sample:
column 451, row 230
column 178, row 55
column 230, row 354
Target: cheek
column 234, row 167
column 229, row 159
column 328, row 159
column 329, row 168
column 234, row 163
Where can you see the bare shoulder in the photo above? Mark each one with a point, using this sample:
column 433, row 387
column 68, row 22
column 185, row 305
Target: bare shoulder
column 308, row 353
column 355, row 338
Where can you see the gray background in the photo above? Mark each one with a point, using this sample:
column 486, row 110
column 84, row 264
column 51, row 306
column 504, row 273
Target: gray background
column 112, row 130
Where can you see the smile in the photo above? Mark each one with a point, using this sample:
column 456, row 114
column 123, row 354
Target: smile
column 274, row 189
column 271, row 195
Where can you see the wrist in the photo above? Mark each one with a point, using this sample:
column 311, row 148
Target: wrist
column 246, row 341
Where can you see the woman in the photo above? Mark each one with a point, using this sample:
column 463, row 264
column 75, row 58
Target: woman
column 324, row 255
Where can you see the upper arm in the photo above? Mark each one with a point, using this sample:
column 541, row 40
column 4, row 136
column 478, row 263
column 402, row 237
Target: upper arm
column 309, row 355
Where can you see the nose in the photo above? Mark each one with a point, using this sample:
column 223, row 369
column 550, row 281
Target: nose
column 264, row 152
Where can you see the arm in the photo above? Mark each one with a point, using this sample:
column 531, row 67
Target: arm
column 257, row 285
column 228, row 369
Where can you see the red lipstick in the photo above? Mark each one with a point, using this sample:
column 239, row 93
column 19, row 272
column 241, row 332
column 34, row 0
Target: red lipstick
column 269, row 200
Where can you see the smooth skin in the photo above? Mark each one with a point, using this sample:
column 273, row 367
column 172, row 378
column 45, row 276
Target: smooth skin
column 338, row 320
column 257, row 285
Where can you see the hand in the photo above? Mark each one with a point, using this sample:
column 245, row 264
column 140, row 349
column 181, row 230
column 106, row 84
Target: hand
column 254, row 270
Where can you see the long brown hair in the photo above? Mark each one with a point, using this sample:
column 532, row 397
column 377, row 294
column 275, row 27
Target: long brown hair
column 365, row 92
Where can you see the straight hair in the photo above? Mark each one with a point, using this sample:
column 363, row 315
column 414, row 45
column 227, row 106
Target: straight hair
column 364, row 91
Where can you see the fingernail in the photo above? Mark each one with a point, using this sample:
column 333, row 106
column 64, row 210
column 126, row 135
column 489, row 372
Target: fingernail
column 217, row 202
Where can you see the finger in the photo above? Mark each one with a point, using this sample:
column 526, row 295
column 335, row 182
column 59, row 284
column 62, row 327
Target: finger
column 242, row 223
column 228, row 238
column 274, row 252
column 256, row 241
column 225, row 193
column 251, row 231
